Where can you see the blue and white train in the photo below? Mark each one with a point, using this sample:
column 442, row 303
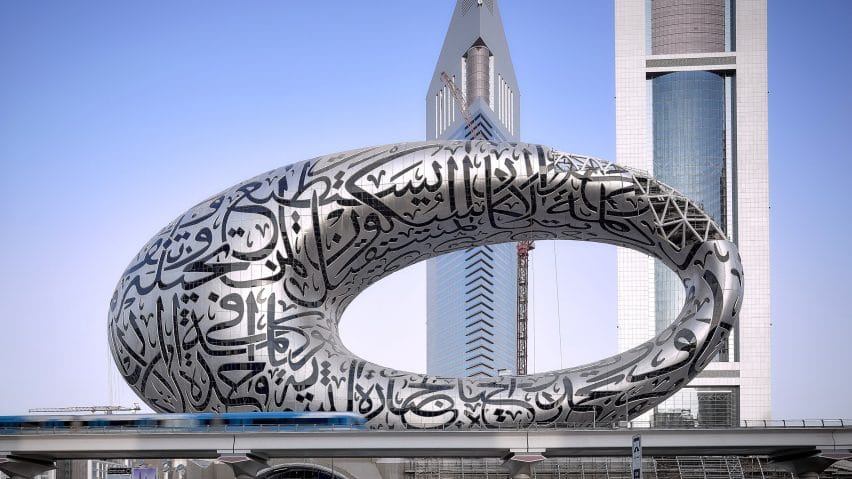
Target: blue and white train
column 276, row 421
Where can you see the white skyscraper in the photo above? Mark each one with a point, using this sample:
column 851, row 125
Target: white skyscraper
column 471, row 294
column 691, row 108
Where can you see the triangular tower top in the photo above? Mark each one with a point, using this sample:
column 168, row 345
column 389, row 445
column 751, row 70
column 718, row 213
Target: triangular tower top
column 476, row 58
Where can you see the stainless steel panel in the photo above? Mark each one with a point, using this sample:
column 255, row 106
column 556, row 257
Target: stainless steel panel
column 234, row 305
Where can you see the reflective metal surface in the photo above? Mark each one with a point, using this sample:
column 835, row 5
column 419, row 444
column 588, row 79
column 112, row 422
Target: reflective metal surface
column 478, row 72
column 235, row 304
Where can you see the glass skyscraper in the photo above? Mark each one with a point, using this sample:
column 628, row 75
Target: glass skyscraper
column 472, row 294
column 688, row 116
column 691, row 107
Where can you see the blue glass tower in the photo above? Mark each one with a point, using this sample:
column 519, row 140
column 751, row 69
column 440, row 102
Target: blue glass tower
column 472, row 294
column 689, row 155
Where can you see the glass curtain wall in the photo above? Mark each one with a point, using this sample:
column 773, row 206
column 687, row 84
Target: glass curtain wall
column 689, row 155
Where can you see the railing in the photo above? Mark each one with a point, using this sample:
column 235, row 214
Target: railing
column 649, row 425
column 765, row 423
column 750, row 424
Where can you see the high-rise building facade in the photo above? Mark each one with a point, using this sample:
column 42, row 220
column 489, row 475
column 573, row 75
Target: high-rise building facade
column 691, row 108
column 471, row 294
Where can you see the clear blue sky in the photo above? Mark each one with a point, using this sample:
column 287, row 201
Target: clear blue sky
column 116, row 117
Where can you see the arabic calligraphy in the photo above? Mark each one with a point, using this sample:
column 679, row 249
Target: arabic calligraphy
column 235, row 304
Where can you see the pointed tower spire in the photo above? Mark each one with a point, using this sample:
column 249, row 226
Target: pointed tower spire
column 476, row 58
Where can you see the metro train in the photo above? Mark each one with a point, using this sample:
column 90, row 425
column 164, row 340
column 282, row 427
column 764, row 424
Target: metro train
column 276, row 421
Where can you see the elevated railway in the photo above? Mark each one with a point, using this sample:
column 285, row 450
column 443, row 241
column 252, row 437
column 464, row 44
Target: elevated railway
column 130, row 443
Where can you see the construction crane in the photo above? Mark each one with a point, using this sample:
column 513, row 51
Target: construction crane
column 524, row 246
column 91, row 409
column 461, row 103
